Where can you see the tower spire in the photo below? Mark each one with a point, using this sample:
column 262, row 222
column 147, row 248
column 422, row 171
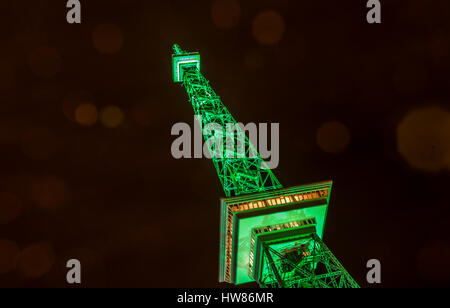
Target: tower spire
column 240, row 168
column 176, row 49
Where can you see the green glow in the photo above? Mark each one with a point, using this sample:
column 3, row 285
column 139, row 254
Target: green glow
column 288, row 239
column 319, row 268
column 287, row 211
column 237, row 175
column 246, row 225
column 182, row 61
column 251, row 189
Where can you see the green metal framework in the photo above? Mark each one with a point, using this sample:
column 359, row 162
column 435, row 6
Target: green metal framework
column 247, row 174
column 239, row 174
column 314, row 267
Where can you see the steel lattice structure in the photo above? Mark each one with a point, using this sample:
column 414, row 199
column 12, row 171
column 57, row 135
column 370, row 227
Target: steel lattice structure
column 318, row 268
column 312, row 264
column 242, row 172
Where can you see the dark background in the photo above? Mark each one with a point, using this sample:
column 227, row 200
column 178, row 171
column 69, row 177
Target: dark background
column 72, row 186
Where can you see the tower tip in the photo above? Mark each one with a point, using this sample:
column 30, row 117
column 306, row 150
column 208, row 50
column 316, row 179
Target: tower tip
column 176, row 49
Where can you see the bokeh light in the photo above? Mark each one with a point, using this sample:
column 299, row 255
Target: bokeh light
column 333, row 137
column 10, row 207
column 423, row 138
column 225, row 14
column 268, row 27
column 86, row 114
column 49, row 192
column 39, row 143
column 108, row 39
column 72, row 100
column 8, row 256
column 111, row 116
column 36, row 260
column 44, row 61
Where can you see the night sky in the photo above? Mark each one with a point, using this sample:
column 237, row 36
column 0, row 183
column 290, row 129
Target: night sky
column 86, row 113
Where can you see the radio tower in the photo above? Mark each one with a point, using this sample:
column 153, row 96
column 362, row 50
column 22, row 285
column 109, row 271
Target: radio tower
column 269, row 234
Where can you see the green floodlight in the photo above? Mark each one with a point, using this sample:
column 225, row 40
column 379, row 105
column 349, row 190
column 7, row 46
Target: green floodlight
column 182, row 61
column 269, row 234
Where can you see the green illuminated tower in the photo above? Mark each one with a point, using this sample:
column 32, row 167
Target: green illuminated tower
column 269, row 234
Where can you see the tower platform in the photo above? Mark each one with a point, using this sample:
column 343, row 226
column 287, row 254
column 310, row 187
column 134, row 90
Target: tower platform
column 182, row 61
column 278, row 218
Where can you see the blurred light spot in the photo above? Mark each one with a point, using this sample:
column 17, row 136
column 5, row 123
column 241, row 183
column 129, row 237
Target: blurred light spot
column 423, row 138
column 225, row 13
column 268, row 27
column 72, row 100
column 49, row 192
column 8, row 256
column 111, row 116
column 254, row 59
column 44, row 61
column 39, row 143
column 86, row 114
column 333, row 137
column 10, row 207
column 36, row 260
column 141, row 115
column 108, row 38
column 432, row 261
